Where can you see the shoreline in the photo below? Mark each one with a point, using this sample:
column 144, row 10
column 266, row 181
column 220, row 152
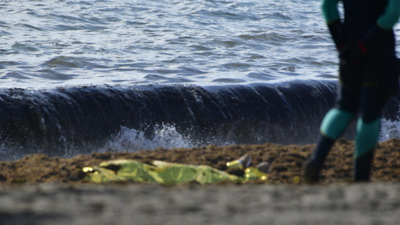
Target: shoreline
column 42, row 190
column 286, row 162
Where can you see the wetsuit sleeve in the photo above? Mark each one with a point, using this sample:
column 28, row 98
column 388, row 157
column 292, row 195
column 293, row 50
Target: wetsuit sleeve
column 391, row 15
column 330, row 11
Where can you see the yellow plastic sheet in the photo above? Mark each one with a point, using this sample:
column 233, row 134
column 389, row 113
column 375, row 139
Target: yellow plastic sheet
column 165, row 173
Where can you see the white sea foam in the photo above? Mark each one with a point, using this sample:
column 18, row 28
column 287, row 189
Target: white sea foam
column 166, row 136
column 389, row 129
column 131, row 140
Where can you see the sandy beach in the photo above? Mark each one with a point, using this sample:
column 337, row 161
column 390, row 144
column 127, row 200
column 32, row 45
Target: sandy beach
column 373, row 203
column 50, row 190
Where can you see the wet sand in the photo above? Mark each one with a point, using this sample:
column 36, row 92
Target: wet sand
column 43, row 190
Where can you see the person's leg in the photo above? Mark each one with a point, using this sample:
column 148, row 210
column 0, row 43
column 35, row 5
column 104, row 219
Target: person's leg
column 379, row 82
column 332, row 127
column 368, row 127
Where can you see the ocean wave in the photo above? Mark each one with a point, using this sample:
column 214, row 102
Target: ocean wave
column 81, row 119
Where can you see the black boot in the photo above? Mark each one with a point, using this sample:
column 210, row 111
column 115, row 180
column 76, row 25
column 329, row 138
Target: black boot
column 362, row 167
column 315, row 162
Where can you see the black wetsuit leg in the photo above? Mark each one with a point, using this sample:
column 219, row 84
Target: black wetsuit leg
column 347, row 100
column 373, row 100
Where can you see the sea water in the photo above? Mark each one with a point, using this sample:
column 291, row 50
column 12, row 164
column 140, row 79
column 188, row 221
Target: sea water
column 53, row 43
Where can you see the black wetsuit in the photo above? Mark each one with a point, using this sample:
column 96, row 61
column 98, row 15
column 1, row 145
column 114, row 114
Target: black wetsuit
column 378, row 67
column 368, row 76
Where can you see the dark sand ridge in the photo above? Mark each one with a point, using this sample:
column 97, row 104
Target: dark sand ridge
column 286, row 162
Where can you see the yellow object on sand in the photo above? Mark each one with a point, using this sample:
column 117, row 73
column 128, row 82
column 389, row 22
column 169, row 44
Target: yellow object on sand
column 253, row 173
column 163, row 173
column 235, row 164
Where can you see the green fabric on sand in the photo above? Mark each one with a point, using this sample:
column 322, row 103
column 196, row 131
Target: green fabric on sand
column 164, row 173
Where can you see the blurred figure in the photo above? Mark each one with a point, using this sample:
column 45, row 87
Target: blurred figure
column 368, row 76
